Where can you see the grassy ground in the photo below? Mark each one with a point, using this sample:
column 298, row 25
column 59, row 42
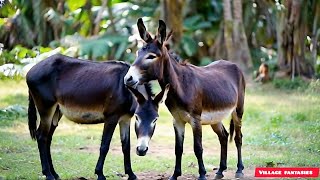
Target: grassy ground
column 280, row 128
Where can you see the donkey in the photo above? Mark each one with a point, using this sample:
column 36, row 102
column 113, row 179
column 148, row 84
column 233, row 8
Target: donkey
column 197, row 95
column 87, row 93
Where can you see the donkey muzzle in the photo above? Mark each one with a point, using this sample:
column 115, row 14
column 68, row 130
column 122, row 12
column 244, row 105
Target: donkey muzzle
column 128, row 80
column 142, row 146
column 132, row 77
column 141, row 150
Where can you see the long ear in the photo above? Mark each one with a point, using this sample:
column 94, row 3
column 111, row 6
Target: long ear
column 168, row 38
column 161, row 32
column 162, row 96
column 143, row 31
column 139, row 97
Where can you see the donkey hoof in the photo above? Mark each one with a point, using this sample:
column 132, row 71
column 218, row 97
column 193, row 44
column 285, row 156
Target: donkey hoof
column 56, row 176
column 132, row 177
column 218, row 176
column 101, row 177
column 239, row 175
column 173, row 178
column 202, row 178
column 50, row 177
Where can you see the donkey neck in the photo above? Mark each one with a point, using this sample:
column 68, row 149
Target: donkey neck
column 181, row 78
column 170, row 72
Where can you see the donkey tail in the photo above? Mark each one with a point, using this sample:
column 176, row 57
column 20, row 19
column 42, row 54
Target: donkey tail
column 231, row 129
column 32, row 118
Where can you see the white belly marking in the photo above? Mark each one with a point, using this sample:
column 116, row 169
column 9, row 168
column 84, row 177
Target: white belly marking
column 214, row 117
column 81, row 116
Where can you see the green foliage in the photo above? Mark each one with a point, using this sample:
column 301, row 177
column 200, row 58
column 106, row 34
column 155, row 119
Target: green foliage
column 195, row 22
column 10, row 71
column 288, row 84
column 189, row 45
column 317, row 67
column 105, row 47
column 264, row 55
column 75, row 4
column 314, row 86
column 13, row 112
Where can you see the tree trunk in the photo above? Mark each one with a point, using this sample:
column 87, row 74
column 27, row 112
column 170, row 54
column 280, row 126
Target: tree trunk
column 173, row 16
column 227, row 16
column 234, row 35
column 292, row 32
column 99, row 17
column 315, row 33
column 109, row 8
column 240, row 38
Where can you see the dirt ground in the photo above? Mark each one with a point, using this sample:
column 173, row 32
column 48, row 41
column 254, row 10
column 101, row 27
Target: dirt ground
column 249, row 174
column 159, row 151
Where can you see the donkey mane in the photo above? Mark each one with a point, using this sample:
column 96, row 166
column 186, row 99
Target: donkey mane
column 176, row 57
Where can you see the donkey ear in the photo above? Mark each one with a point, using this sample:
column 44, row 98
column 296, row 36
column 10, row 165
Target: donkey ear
column 162, row 96
column 162, row 32
column 168, row 38
column 143, row 31
column 139, row 97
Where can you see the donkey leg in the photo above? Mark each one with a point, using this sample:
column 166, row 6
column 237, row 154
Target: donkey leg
column 236, row 116
column 223, row 138
column 109, row 127
column 56, row 117
column 179, row 129
column 42, row 140
column 125, row 141
column 197, row 146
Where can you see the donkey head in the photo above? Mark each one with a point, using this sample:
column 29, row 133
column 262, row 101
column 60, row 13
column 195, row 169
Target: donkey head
column 148, row 64
column 146, row 115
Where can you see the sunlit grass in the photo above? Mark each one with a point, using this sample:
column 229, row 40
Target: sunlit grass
column 282, row 127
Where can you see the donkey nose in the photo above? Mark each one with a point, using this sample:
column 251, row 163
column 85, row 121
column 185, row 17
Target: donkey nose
column 128, row 80
column 142, row 150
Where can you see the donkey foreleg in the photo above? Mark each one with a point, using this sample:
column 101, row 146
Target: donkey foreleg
column 223, row 138
column 125, row 141
column 197, row 146
column 104, row 148
column 179, row 129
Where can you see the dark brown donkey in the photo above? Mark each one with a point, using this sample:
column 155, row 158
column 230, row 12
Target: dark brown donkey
column 197, row 95
column 87, row 93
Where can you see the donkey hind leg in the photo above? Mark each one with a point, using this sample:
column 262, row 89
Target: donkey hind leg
column 108, row 130
column 223, row 138
column 197, row 146
column 237, row 116
column 56, row 117
column 179, row 129
column 43, row 132
column 125, row 141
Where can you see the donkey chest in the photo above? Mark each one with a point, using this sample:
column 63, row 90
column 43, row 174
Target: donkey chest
column 79, row 115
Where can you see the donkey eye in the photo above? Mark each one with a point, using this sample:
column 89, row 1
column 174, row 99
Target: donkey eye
column 151, row 57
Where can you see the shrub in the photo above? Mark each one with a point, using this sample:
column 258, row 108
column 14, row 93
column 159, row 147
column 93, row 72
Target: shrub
column 287, row 84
